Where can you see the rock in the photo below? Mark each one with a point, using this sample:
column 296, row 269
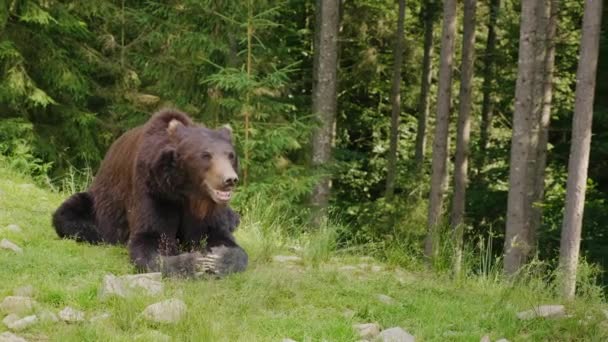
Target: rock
column 23, row 323
column 13, row 228
column 502, row 340
column 152, row 336
column 367, row 330
column 376, row 268
column 288, row 340
column 545, row 311
column 6, row 244
column 9, row 337
column 385, row 299
column 395, row 334
column 71, row 315
column 286, row 258
column 348, row 314
column 48, row 316
column 127, row 285
column 24, row 291
column 10, row 319
column 100, row 317
column 485, row 338
column 168, row 311
column 17, row 304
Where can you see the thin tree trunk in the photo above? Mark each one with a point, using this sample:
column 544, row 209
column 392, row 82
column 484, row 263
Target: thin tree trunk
column 425, row 85
column 248, row 97
column 552, row 8
column 441, row 140
column 396, row 103
column 324, row 98
column 516, row 235
column 487, row 107
column 464, row 131
column 579, row 149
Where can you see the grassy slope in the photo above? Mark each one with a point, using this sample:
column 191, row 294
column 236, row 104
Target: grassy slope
column 268, row 302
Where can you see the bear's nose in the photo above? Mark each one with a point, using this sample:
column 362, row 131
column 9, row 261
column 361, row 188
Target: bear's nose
column 231, row 181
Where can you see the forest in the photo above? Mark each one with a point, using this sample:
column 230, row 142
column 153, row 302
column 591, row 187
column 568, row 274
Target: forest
column 465, row 136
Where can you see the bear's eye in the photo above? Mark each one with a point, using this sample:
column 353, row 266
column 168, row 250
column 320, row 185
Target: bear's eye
column 231, row 156
column 206, row 156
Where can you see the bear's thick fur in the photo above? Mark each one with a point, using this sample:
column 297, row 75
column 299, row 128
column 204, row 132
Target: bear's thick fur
column 163, row 189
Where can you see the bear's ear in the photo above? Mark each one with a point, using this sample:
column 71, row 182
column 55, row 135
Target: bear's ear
column 174, row 127
column 226, row 131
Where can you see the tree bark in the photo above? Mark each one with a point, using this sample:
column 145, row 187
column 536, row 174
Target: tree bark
column 324, row 98
column 396, row 103
column 579, row 149
column 487, row 107
column 552, row 9
column 516, row 248
column 441, row 140
column 464, row 131
column 425, row 84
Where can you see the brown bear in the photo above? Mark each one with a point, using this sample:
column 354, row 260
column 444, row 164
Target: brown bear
column 163, row 190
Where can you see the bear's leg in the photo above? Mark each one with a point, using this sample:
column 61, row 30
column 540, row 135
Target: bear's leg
column 75, row 219
column 222, row 260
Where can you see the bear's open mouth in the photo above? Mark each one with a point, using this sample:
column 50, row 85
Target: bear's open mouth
column 223, row 195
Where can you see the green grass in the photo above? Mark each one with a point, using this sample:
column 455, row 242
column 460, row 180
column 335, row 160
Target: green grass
column 271, row 301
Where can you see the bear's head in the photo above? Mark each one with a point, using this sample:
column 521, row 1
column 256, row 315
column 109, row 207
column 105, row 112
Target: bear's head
column 207, row 160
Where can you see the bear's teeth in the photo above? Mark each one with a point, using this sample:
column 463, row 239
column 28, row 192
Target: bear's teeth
column 224, row 195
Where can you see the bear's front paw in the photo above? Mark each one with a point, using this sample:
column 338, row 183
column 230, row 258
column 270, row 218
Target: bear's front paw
column 222, row 260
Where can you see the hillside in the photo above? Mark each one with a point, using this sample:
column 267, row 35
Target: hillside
column 314, row 298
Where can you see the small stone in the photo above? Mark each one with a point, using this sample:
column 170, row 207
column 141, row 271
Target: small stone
column 23, row 323
column 385, row 299
column 348, row 314
column 367, row 330
column 288, row 340
column 502, row 340
column 10, row 337
column 286, row 258
column 71, row 315
column 48, row 316
column 168, row 311
column 17, row 304
column 6, row 244
column 485, row 338
column 24, row 291
column 100, row 317
column 395, row 334
column 10, row 319
column 13, row 228
column 545, row 311
column 128, row 285
column 376, row 268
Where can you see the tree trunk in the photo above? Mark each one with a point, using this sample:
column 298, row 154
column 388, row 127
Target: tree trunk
column 425, row 84
column 579, row 149
column 552, row 8
column 487, row 107
column 324, row 98
column 516, row 248
column 441, row 139
column 396, row 104
column 464, row 131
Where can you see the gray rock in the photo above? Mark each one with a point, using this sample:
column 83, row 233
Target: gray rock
column 168, row 311
column 385, row 299
column 395, row 334
column 376, row 268
column 545, row 311
column 126, row 286
column 348, row 314
column 502, row 340
column 288, row 340
column 10, row 337
column 367, row 330
column 286, row 258
column 348, row 268
column 13, row 228
column 24, row 291
column 71, row 315
column 6, row 244
column 17, row 304
column 10, row 319
column 485, row 338
column 23, row 323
